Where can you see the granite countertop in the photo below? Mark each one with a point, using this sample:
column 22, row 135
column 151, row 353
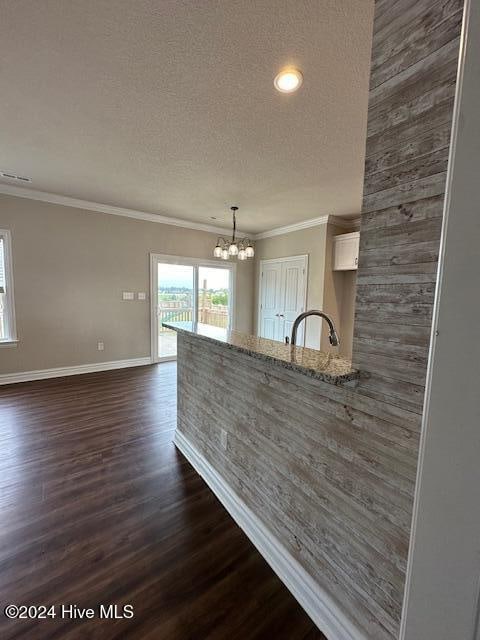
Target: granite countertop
column 315, row 364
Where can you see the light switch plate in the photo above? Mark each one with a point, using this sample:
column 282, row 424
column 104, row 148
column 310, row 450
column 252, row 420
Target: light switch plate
column 142, row 295
column 128, row 295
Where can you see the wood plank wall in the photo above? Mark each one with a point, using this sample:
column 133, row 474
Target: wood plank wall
column 332, row 470
column 412, row 90
column 329, row 472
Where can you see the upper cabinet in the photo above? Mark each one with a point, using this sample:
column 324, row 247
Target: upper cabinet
column 345, row 251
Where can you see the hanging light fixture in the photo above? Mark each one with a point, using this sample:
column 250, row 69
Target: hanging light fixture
column 241, row 249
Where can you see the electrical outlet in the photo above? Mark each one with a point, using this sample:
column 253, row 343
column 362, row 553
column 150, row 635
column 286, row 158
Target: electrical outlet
column 223, row 439
column 101, row 346
column 142, row 295
column 128, row 295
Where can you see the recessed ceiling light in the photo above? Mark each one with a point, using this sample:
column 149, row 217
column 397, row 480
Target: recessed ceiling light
column 288, row 80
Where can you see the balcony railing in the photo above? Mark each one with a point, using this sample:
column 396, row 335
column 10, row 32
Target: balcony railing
column 215, row 316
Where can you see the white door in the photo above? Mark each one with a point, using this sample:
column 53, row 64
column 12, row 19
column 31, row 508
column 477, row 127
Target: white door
column 270, row 300
column 293, row 289
column 282, row 296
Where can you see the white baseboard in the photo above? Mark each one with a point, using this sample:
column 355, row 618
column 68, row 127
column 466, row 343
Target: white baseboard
column 60, row 372
column 318, row 604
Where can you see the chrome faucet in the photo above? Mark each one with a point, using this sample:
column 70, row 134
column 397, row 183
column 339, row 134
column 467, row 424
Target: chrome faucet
column 333, row 336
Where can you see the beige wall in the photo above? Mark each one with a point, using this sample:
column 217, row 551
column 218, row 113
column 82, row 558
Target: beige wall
column 306, row 241
column 70, row 268
column 347, row 312
column 338, row 298
column 329, row 291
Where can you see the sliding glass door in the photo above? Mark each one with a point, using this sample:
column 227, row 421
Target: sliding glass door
column 213, row 298
column 185, row 290
column 175, row 303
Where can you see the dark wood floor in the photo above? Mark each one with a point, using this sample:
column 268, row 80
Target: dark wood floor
column 98, row 507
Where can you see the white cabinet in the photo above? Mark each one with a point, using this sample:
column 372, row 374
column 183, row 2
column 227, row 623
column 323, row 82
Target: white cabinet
column 345, row 251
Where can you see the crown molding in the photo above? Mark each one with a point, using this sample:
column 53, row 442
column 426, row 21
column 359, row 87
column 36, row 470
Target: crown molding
column 306, row 224
column 290, row 228
column 66, row 201
column 76, row 203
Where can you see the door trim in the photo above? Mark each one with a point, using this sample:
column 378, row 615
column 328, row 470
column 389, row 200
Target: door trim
column 283, row 259
column 155, row 258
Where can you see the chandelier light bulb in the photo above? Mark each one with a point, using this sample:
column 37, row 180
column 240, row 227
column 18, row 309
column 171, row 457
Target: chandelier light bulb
column 233, row 247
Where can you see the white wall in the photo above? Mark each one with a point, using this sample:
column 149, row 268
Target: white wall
column 444, row 565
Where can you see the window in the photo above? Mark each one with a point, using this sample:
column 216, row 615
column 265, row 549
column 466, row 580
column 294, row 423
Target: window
column 7, row 310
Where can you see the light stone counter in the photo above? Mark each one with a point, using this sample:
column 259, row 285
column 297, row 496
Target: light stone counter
column 315, row 364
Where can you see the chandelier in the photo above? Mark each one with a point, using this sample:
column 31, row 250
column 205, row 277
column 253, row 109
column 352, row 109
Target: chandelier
column 241, row 249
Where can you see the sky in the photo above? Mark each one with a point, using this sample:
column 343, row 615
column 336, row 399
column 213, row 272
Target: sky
column 175, row 275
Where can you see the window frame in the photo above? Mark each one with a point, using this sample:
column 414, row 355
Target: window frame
column 9, row 316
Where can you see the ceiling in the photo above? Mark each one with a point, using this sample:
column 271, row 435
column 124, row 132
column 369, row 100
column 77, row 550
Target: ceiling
column 168, row 106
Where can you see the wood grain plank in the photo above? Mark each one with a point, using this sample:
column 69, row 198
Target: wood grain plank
column 404, row 234
column 418, row 168
column 394, row 16
column 406, row 192
column 438, row 24
column 414, row 211
column 417, row 79
column 425, row 272
column 417, row 147
column 391, row 312
column 414, row 253
column 423, row 112
column 404, row 293
column 392, row 332
column 392, row 391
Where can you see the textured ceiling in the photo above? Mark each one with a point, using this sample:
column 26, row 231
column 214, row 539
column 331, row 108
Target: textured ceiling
column 168, row 106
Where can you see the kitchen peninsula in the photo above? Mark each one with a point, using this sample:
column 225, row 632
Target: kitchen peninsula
column 316, row 364
column 282, row 438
